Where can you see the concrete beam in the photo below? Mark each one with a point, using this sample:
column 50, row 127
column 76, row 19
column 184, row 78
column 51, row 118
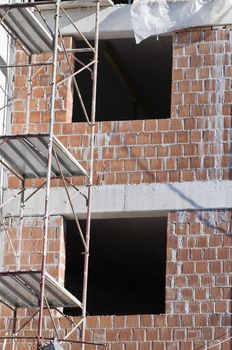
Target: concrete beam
column 115, row 21
column 111, row 201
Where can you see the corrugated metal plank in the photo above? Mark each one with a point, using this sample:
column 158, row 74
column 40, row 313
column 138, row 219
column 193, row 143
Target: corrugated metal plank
column 28, row 156
column 53, row 298
column 12, row 291
column 70, row 299
column 37, row 155
column 5, row 154
column 25, row 26
column 22, row 289
column 24, row 157
column 70, row 162
column 41, row 143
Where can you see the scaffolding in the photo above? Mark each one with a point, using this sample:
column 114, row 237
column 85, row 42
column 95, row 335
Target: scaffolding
column 29, row 156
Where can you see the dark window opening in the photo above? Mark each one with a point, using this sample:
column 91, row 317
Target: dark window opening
column 128, row 2
column 127, row 266
column 134, row 81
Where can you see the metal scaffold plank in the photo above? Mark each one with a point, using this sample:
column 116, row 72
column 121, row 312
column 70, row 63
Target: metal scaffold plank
column 27, row 155
column 21, row 289
column 24, row 25
column 19, row 20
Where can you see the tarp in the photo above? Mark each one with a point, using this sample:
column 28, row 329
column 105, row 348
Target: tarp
column 153, row 17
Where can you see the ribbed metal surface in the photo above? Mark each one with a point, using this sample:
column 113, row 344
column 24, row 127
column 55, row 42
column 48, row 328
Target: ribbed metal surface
column 22, row 289
column 27, row 155
column 23, row 24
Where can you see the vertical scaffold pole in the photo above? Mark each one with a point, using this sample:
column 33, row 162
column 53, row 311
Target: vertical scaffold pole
column 88, row 220
column 29, row 84
column 21, row 218
column 46, row 215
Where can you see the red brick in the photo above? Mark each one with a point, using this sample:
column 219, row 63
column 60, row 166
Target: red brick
column 156, row 164
column 150, row 151
column 227, row 266
column 137, row 125
column 152, row 334
column 176, row 100
column 174, row 176
column 156, row 137
column 170, row 164
column 179, row 334
column 183, row 62
column 117, row 346
column 189, row 267
column 135, row 178
column 149, row 177
column 136, row 152
column 184, row 111
column 146, row 321
column 125, row 335
column 190, row 73
column 111, row 335
column 132, row 321
column 139, row 334
column 115, row 139
column 176, row 124
column 183, row 86
column 176, row 150
column 142, row 164
column 124, row 126
column 106, row 321
column 162, row 176
column 165, row 334
column 129, row 164
column 158, row 346
column 182, row 163
column 122, row 178
column 163, row 124
column 131, row 346
column 177, row 74
column 122, row 152
column 144, row 138
column 108, row 153
column 151, row 125
column 119, row 322
column 130, row 139
column 144, row 345
column 202, row 267
column 169, row 137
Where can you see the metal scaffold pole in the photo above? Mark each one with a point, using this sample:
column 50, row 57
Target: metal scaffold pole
column 42, row 156
column 48, row 185
column 88, row 220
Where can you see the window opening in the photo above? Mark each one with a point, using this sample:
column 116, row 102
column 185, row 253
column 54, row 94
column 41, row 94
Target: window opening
column 134, row 81
column 127, row 266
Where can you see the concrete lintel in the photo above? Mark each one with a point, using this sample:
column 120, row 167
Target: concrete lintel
column 115, row 21
column 130, row 200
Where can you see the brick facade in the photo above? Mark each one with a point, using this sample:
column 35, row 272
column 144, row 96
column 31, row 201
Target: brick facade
column 31, row 246
column 194, row 144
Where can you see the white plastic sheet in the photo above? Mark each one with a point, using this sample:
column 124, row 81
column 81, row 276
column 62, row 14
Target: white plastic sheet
column 153, row 17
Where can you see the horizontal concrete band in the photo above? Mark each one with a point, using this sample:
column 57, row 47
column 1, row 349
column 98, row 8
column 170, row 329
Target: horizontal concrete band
column 112, row 201
column 115, row 21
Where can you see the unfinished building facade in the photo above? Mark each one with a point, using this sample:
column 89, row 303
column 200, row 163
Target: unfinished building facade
column 160, row 268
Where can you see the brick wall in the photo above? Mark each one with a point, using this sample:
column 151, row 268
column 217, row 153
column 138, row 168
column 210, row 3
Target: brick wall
column 31, row 245
column 193, row 145
column 198, row 293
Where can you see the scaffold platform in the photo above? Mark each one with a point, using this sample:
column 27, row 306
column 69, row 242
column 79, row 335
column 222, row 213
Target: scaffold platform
column 21, row 289
column 27, row 156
